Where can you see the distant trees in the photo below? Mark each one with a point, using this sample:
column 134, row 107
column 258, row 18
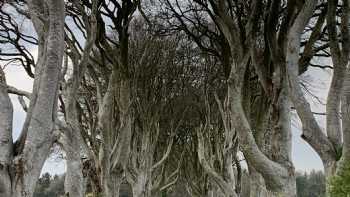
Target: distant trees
column 50, row 186
column 311, row 184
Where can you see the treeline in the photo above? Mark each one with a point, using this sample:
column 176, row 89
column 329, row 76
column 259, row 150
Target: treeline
column 53, row 186
column 49, row 186
column 311, row 184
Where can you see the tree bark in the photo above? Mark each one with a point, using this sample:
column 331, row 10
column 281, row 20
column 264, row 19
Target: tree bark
column 75, row 182
column 111, row 184
column 325, row 146
column 6, row 145
column 22, row 170
column 73, row 143
column 142, row 187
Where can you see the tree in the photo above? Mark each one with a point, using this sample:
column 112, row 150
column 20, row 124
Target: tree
column 71, row 139
column 327, row 144
column 48, row 186
column 21, row 165
column 157, row 120
column 311, row 184
column 302, row 184
column 104, row 78
column 249, row 51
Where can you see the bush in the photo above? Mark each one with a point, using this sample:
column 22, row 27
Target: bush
column 339, row 185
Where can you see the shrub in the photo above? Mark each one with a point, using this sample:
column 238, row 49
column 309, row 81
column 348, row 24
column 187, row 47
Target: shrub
column 339, row 185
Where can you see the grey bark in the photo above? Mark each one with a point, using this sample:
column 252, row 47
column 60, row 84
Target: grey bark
column 145, row 173
column 346, row 121
column 6, row 145
column 72, row 140
column 110, row 151
column 223, row 181
column 20, row 177
column 278, row 175
column 327, row 146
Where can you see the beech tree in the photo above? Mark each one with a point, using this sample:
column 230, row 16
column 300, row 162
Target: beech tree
column 250, row 40
column 71, row 138
column 331, row 144
column 21, row 165
column 240, row 45
column 155, row 119
column 91, row 119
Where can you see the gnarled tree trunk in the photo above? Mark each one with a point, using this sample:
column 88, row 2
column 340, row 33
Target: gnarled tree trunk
column 21, row 165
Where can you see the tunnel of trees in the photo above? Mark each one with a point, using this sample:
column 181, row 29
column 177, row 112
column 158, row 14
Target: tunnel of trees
column 174, row 98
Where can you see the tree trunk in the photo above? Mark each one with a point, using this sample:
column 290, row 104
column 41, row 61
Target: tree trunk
column 257, row 184
column 111, row 185
column 140, row 189
column 110, row 181
column 20, row 172
column 279, row 177
column 6, row 146
column 75, row 183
